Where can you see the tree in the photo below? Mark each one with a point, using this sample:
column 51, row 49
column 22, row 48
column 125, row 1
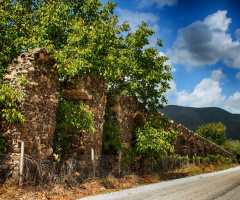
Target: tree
column 214, row 132
column 85, row 37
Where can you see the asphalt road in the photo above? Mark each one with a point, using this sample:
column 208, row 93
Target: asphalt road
column 222, row 185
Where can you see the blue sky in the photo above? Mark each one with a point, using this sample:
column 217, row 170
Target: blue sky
column 202, row 39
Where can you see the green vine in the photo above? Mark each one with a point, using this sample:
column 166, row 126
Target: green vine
column 111, row 131
column 72, row 119
column 22, row 80
column 2, row 142
column 9, row 107
column 111, row 101
column 8, row 104
column 111, row 141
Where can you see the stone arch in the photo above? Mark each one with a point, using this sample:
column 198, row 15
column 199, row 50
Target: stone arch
column 139, row 118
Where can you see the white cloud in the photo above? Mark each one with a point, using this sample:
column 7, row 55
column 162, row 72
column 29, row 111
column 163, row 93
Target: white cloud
column 205, row 43
column 218, row 21
column 233, row 62
column 159, row 3
column 233, row 103
column 217, row 74
column 168, row 62
column 172, row 90
column 237, row 33
column 161, row 54
column 237, row 76
column 135, row 18
column 206, row 93
column 167, row 31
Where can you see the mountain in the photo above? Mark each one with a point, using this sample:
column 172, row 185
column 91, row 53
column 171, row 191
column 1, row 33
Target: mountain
column 192, row 118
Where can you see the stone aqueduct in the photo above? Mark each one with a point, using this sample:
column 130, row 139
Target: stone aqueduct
column 40, row 102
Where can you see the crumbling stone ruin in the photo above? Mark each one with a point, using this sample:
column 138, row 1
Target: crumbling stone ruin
column 39, row 107
column 125, row 114
column 188, row 143
column 93, row 93
column 129, row 111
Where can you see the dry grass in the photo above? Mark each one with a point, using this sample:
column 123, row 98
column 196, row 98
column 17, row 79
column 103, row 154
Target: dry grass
column 203, row 168
column 97, row 186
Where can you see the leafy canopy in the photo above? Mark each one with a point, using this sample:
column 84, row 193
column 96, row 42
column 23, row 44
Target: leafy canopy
column 214, row 132
column 85, row 37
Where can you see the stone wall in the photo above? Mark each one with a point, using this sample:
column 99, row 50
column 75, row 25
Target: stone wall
column 188, row 143
column 38, row 105
column 127, row 112
column 92, row 92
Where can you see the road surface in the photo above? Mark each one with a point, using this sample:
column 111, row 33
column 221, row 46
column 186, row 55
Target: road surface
column 222, row 185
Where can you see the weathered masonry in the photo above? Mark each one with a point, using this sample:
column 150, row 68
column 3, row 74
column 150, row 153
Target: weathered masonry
column 125, row 114
column 129, row 111
column 92, row 93
column 40, row 102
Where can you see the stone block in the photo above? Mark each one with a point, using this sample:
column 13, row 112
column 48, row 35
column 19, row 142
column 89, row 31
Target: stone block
column 49, row 152
column 41, row 56
column 4, row 167
column 77, row 94
column 16, row 150
column 116, row 109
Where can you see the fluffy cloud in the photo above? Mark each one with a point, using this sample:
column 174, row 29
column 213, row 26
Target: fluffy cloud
column 233, row 62
column 205, row 43
column 237, row 33
column 237, row 76
column 136, row 18
column 233, row 103
column 168, row 62
column 217, row 74
column 172, row 90
column 206, row 93
column 159, row 3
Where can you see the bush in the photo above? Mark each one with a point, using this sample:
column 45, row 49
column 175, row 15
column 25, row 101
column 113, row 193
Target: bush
column 153, row 142
column 214, row 132
column 233, row 147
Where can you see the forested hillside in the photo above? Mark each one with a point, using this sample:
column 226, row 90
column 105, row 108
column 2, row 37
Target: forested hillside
column 192, row 118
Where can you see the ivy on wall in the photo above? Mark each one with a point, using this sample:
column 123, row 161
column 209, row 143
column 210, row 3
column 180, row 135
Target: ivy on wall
column 111, row 131
column 72, row 119
column 111, row 141
column 9, row 104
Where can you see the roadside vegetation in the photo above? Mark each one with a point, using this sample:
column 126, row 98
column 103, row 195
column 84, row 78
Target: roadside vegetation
column 110, row 183
column 216, row 132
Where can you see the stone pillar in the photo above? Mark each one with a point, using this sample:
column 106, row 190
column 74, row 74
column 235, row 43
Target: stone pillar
column 39, row 104
column 92, row 92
